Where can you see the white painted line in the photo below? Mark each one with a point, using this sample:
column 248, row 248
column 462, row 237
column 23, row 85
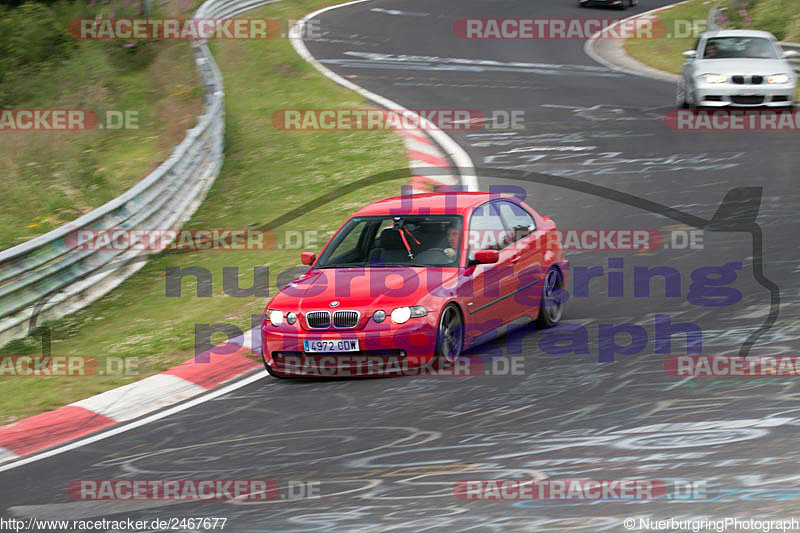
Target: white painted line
column 141, row 397
column 397, row 12
column 138, row 423
column 646, row 71
column 465, row 167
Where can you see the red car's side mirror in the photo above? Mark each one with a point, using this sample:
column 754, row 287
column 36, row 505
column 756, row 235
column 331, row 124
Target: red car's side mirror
column 308, row 258
column 487, row 257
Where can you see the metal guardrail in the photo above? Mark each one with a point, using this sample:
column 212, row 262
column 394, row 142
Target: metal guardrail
column 45, row 279
column 795, row 61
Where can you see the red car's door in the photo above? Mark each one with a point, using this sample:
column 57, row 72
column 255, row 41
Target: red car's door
column 488, row 303
column 529, row 256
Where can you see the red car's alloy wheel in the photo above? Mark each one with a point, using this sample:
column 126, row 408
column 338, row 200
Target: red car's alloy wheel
column 552, row 307
column 450, row 336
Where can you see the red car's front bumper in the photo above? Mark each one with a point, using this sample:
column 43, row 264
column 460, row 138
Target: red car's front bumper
column 383, row 349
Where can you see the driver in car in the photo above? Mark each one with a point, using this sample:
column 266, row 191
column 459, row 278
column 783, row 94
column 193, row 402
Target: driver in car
column 452, row 239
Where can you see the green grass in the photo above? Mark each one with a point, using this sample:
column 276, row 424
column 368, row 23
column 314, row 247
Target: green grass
column 50, row 178
column 665, row 53
column 267, row 173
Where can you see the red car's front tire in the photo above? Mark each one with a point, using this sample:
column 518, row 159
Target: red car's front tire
column 450, row 333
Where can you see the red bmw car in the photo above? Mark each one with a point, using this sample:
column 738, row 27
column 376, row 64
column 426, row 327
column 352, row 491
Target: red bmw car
column 416, row 278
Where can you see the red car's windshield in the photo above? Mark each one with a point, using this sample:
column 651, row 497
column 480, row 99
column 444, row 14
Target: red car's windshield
column 401, row 240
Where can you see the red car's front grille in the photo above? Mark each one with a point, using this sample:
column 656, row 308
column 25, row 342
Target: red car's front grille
column 345, row 319
column 341, row 319
column 318, row 319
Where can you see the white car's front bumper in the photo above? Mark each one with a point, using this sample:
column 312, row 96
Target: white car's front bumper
column 741, row 95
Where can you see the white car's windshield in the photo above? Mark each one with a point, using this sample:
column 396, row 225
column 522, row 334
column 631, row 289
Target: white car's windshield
column 402, row 240
column 739, row 47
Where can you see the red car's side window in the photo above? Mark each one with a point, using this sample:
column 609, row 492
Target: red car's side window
column 486, row 230
column 517, row 219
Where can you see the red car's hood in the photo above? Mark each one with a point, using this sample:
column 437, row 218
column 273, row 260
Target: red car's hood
column 364, row 288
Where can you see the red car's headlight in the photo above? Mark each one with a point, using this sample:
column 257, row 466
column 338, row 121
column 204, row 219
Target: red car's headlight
column 275, row 317
column 401, row 315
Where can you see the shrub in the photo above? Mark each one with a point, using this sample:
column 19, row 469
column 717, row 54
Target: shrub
column 35, row 45
column 32, row 34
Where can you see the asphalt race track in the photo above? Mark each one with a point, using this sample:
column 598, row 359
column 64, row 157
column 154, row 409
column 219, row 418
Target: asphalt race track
column 387, row 452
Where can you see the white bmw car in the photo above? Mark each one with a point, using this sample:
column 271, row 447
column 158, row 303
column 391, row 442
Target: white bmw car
column 742, row 68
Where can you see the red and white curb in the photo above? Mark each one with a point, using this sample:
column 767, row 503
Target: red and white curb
column 187, row 380
column 425, row 159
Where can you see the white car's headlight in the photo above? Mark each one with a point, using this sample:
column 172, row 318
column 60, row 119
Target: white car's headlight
column 714, row 78
column 401, row 315
column 778, row 79
column 275, row 317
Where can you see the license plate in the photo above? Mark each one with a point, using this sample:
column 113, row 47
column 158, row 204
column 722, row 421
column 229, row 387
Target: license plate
column 348, row 345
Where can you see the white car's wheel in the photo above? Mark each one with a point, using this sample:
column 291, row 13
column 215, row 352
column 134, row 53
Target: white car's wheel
column 690, row 98
column 680, row 95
